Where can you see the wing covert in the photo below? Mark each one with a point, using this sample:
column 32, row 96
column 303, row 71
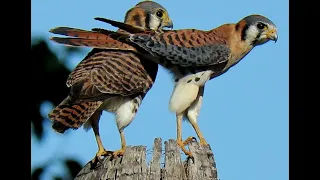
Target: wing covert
column 184, row 47
column 106, row 73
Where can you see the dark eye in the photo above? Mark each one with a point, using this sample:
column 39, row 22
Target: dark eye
column 261, row 25
column 159, row 13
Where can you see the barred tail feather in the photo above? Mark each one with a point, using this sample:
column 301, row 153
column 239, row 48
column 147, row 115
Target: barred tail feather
column 93, row 43
column 79, row 33
column 66, row 116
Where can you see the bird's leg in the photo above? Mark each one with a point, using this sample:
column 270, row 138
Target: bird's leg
column 183, row 95
column 193, row 112
column 179, row 135
column 95, row 126
column 124, row 116
column 197, row 129
column 121, row 151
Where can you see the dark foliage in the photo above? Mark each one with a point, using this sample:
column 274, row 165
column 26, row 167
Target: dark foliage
column 50, row 75
column 73, row 167
column 37, row 173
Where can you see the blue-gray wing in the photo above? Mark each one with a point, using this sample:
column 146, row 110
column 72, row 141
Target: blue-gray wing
column 185, row 48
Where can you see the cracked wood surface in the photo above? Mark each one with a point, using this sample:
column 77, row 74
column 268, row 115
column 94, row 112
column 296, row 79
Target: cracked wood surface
column 133, row 165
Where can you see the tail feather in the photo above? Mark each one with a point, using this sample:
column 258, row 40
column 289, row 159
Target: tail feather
column 78, row 33
column 66, row 116
column 93, row 43
column 98, row 38
column 121, row 25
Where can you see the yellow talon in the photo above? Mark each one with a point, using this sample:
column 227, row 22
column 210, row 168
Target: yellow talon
column 181, row 145
column 119, row 152
column 101, row 152
column 188, row 140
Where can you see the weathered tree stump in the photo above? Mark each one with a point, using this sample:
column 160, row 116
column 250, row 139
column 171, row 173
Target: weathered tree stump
column 133, row 165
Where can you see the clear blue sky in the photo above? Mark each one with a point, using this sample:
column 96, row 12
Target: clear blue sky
column 244, row 116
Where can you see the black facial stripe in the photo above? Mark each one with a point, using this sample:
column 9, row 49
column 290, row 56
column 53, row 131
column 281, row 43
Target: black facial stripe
column 244, row 32
column 147, row 21
column 257, row 37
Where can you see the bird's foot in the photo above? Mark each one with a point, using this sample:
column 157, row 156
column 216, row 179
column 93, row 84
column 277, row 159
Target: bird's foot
column 181, row 145
column 119, row 152
column 188, row 140
column 101, row 152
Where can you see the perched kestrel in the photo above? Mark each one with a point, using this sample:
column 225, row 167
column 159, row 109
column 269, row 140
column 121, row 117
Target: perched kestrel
column 194, row 57
column 108, row 79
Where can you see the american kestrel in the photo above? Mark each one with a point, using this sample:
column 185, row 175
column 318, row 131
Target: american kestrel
column 108, row 79
column 194, row 57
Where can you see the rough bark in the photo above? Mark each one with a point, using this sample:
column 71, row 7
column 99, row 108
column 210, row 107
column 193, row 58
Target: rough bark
column 133, row 165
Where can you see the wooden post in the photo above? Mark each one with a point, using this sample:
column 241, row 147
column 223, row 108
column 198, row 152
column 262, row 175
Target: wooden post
column 133, row 165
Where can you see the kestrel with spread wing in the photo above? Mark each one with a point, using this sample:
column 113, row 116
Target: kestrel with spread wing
column 194, row 57
column 108, row 79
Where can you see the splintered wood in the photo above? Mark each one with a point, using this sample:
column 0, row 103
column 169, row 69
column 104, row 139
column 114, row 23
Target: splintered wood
column 133, row 165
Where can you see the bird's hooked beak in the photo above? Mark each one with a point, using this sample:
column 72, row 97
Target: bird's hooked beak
column 272, row 34
column 168, row 23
